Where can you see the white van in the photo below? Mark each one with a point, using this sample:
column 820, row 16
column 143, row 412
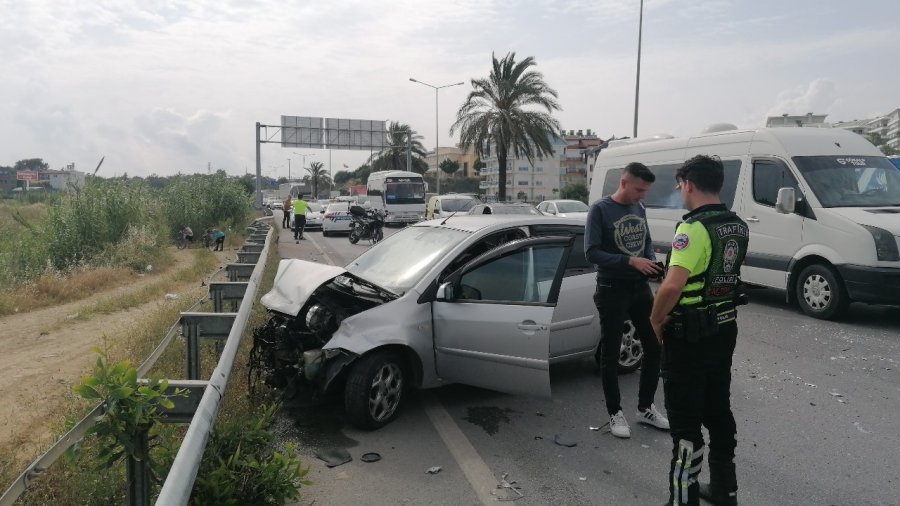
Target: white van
column 822, row 204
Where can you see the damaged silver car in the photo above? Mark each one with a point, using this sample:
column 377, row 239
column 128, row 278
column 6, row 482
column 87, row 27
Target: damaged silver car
column 485, row 301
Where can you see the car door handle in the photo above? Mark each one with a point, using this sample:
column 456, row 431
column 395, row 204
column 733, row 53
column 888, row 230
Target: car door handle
column 753, row 219
column 530, row 325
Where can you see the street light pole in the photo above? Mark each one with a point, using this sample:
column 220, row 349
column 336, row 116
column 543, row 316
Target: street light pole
column 637, row 84
column 437, row 142
column 289, row 170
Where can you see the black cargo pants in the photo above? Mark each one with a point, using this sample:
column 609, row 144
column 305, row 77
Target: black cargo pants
column 697, row 384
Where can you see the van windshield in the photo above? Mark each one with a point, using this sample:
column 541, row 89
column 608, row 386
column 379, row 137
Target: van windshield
column 851, row 181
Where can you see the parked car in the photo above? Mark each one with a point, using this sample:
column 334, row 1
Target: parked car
column 489, row 301
column 315, row 215
column 564, row 208
column 441, row 206
column 504, row 208
column 336, row 218
column 276, row 206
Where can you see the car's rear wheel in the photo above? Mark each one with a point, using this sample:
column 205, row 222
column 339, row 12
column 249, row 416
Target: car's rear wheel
column 374, row 390
column 631, row 352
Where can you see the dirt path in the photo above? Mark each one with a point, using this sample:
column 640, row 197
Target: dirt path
column 45, row 352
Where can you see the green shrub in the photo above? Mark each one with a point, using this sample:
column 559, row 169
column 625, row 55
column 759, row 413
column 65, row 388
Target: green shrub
column 240, row 466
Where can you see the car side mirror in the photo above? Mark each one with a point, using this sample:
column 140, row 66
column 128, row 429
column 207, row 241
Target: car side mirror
column 444, row 292
column 786, row 201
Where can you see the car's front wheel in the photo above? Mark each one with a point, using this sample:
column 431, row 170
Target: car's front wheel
column 821, row 293
column 374, row 390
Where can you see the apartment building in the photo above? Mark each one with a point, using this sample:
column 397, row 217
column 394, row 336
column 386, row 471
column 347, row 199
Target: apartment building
column 465, row 159
column 527, row 181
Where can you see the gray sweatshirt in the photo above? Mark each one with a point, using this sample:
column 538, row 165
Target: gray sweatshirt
column 615, row 232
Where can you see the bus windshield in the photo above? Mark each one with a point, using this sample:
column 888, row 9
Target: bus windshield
column 851, row 181
column 404, row 193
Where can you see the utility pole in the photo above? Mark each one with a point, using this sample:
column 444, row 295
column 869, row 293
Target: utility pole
column 637, row 84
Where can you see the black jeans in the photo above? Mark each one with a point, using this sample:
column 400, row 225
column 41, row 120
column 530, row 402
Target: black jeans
column 299, row 224
column 697, row 384
column 286, row 221
column 618, row 301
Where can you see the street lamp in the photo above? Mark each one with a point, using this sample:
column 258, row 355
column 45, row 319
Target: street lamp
column 637, row 83
column 437, row 160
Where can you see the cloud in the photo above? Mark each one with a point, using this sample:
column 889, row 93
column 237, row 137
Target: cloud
column 818, row 97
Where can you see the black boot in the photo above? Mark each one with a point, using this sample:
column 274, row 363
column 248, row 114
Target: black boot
column 722, row 487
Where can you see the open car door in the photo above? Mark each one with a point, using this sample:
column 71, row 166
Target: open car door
column 492, row 317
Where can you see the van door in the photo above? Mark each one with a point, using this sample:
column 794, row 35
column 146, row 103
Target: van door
column 774, row 237
column 492, row 328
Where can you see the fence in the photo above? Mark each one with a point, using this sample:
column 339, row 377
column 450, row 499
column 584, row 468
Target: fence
column 201, row 405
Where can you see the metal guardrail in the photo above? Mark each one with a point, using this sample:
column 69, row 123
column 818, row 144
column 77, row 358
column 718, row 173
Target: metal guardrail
column 203, row 396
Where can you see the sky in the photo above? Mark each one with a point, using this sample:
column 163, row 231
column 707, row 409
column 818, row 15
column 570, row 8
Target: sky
column 163, row 86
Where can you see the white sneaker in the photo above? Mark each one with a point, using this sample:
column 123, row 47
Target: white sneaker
column 618, row 425
column 651, row 416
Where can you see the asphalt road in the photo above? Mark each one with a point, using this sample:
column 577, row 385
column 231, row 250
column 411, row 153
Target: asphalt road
column 817, row 405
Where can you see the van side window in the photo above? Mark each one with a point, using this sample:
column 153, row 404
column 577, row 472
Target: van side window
column 611, row 183
column 768, row 177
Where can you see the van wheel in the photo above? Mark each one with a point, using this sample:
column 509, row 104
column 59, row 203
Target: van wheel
column 820, row 293
column 374, row 391
column 631, row 352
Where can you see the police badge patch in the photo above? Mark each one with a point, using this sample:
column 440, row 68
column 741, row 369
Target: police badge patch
column 681, row 242
column 731, row 253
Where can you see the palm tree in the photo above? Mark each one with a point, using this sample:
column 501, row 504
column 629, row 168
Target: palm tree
column 317, row 176
column 393, row 156
column 494, row 113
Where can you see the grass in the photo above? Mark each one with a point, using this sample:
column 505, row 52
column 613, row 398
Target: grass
column 75, row 482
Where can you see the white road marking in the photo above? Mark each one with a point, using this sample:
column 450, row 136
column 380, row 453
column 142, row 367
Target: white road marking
column 473, row 466
column 476, row 471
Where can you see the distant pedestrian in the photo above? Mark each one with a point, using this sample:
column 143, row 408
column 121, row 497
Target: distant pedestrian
column 695, row 318
column 188, row 234
column 219, row 237
column 617, row 240
column 299, row 206
column 286, row 210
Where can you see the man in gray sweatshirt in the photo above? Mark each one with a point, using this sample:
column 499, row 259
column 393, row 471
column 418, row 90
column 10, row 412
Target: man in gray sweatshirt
column 617, row 240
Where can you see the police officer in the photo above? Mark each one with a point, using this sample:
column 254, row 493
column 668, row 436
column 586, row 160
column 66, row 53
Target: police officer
column 299, row 207
column 694, row 317
column 617, row 240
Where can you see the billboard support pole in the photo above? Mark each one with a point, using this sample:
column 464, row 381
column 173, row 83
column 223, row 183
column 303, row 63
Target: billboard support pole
column 258, row 170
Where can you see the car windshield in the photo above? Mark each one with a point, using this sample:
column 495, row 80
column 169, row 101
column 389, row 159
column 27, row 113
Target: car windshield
column 851, row 181
column 515, row 210
column 572, row 207
column 398, row 262
column 460, row 205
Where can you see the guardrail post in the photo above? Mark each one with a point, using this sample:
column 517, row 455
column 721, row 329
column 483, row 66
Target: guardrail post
column 138, row 473
column 193, row 350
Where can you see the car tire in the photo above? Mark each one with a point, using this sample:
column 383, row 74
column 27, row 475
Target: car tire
column 821, row 293
column 631, row 352
column 375, row 390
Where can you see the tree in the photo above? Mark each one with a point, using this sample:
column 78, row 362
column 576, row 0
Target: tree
column 317, row 176
column 401, row 138
column 32, row 164
column 577, row 191
column 494, row 114
column 449, row 166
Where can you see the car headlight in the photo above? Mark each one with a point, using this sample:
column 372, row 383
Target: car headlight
column 885, row 244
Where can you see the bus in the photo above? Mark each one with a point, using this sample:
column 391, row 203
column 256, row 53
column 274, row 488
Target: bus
column 400, row 194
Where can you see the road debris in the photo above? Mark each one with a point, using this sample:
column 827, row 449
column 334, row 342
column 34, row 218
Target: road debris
column 433, row 470
column 370, row 457
column 563, row 441
column 334, row 457
column 507, row 485
column 171, row 296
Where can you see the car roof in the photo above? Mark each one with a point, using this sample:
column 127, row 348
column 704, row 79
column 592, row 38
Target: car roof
column 475, row 223
column 560, row 200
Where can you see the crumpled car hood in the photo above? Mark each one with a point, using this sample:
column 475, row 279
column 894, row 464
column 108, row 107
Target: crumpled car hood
column 294, row 282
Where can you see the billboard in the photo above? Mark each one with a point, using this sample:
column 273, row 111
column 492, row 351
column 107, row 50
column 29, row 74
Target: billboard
column 332, row 133
column 26, row 175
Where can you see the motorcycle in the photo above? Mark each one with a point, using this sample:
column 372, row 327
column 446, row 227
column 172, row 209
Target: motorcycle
column 366, row 224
